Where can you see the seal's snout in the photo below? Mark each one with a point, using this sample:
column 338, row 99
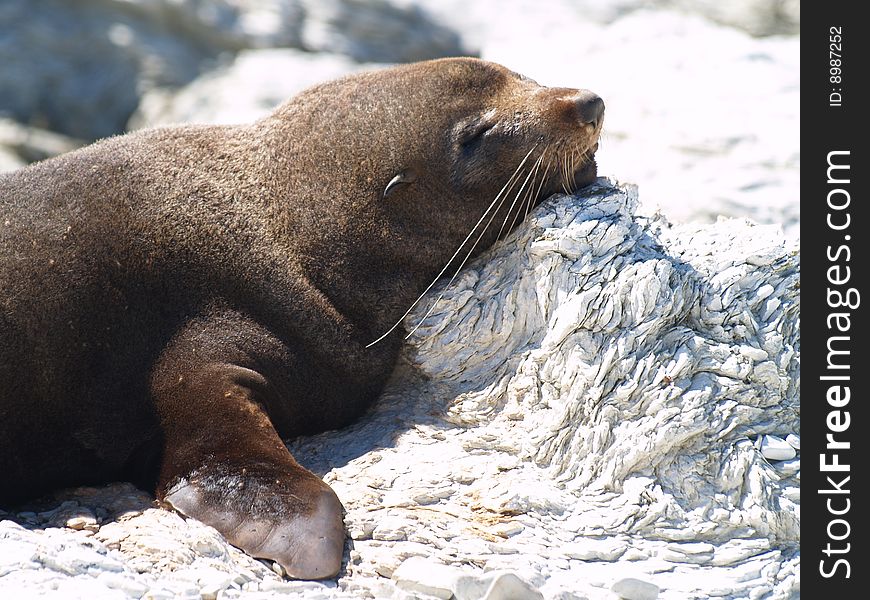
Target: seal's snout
column 566, row 105
column 590, row 107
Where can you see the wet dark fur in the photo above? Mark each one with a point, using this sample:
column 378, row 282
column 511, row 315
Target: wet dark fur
column 169, row 296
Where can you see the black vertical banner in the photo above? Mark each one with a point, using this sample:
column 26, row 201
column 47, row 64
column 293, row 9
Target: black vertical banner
column 835, row 299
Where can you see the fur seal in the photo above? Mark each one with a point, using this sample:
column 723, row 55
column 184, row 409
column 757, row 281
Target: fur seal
column 175, row 301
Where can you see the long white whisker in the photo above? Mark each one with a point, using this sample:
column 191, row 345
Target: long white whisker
column 514, row 203
column 527, row 195
column 564, row 164
column 540, row 187
column 575, row 158
column 510, row 182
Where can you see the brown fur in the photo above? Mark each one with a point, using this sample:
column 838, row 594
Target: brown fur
column 175, row 301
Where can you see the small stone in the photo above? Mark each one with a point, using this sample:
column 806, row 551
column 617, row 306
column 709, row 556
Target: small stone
column 385, row 570
column 633, row 554
column 464, row 477
column 590, row 549
column 277, row 587
column 789, row 467
column 675, row 556
column 794, row 441
column 753, row 354
column 88, row 522
column 507, row 586
column 737, row 551
column 692, row 548
column 507, row 529
column 431, row 496
column 278, row 569
column 390, row 530
column 418, row 575
column 124, row 583
column 361, row 530
column 209, row 592
column 764, row 291
column 776, row 448
column 635, row 589
column 500, row 548
column 189, row 594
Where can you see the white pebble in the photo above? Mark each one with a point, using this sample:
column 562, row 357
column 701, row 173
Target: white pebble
column 753, row 354
column 83, row 522
column 635, row 589
column 591, row 549
column 124, row 583
column 764, row 291
column 794, row 441
column 418, row 575
column 789, row 467
column 507, row 586
column 776, row 448
column 507, row 529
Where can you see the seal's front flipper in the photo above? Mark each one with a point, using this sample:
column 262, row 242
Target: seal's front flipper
column 290, row 519
column 225, row 465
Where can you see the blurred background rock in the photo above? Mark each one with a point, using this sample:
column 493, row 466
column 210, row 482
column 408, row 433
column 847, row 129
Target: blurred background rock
column 702, row 97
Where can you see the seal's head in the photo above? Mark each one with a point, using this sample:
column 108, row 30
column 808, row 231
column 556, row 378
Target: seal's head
column 458, row 127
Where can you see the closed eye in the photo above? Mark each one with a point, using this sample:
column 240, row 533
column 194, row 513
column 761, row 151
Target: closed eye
column 475, row 132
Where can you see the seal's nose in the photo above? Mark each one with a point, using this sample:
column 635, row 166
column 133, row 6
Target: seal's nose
column 590, row 107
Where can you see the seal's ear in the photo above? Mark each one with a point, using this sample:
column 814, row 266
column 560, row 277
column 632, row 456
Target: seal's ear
column 402, row 178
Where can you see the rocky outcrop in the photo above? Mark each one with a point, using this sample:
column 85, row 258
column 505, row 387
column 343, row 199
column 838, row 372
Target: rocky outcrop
column 378, row 31
column 81, row 68
column 243, row 91
column 596, row 404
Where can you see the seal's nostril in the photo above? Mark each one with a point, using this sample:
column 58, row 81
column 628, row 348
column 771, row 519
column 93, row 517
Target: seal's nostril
column 590, row 107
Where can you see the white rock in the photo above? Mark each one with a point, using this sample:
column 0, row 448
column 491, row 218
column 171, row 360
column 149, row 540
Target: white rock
column 776, row 448
column 789, row 467
column 420, row 575
column 123, row 582
column 794, row 441
column 81, row 522
column 590, row 549
column 426, row 577
column 690, row 548
column 635, row 589
column 507, row 529
column 507, row 586
column 390, row 529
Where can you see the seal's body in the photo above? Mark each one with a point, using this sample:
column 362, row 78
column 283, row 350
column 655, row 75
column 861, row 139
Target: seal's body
column 174, row 302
